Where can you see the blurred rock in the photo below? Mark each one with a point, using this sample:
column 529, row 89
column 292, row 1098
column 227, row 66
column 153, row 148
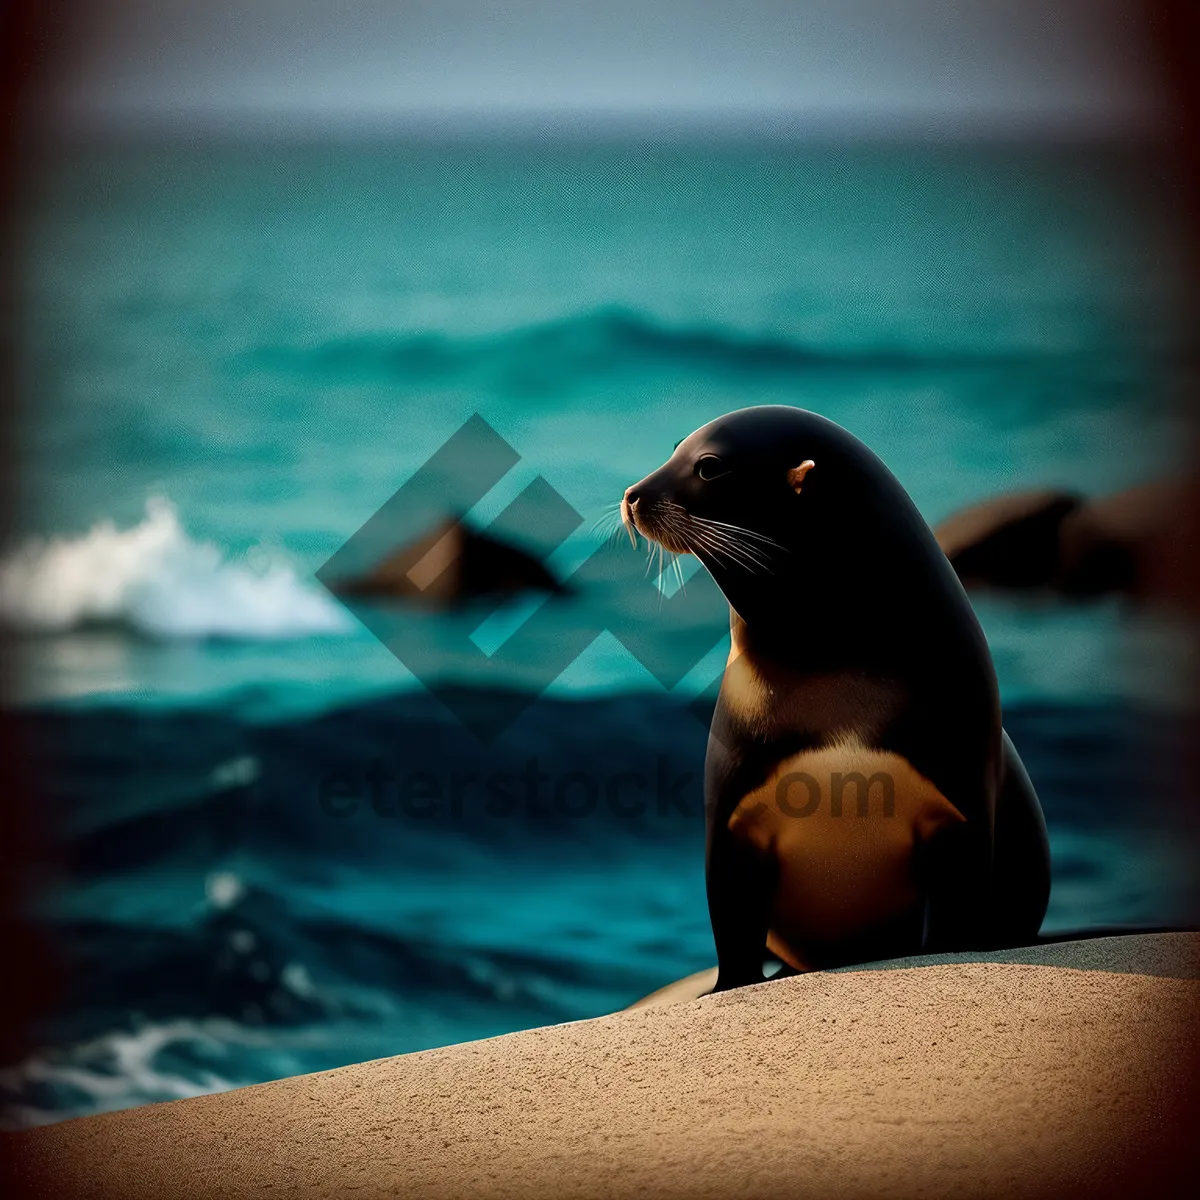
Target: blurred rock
column 1065, row 543
column 450, row 565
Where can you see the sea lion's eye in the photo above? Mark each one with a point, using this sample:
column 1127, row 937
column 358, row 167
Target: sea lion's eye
column 710, row 467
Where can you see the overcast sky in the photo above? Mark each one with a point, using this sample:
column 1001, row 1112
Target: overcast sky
column 912, row 65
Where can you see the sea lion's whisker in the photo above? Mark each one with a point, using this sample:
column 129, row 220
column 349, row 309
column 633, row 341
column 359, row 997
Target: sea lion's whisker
column 680, row 535
column 721, row 541
column 738, row 555
column 746, row 533
column 611, row 517
column 656, row 553
column 723, row 530
column 704, row 537
column 677, row 531
column 609, row 536
column 757, row 544
column 608, row 528
column 722, row 538
column 654, row 550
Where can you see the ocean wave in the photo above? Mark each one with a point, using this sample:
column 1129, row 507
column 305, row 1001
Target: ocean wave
column 118, row 1069
column 249, row 986
column 256, row 954
column 222, row 928
column 155, row 579
column 608, row 338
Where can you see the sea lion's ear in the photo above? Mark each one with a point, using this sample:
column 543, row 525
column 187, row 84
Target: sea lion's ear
column 796, row 475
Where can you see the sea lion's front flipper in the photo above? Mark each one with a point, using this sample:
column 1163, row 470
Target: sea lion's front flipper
column 741, row 884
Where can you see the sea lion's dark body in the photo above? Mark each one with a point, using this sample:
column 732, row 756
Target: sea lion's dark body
column 855, row 653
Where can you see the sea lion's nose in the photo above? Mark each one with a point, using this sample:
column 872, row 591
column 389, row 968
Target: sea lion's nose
column 629, row 504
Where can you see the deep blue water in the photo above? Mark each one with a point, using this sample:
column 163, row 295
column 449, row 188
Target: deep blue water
column 236, row 355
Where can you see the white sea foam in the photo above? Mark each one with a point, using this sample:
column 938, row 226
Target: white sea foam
column 117, row 1070
column 157, row 580
column 223, row 889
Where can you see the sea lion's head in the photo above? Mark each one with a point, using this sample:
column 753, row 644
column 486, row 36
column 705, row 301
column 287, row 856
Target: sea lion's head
column 782, row 505
column 788, row 511
column 742, row 489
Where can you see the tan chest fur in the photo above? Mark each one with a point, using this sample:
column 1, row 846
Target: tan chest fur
column 766, row 697
column 840, row 825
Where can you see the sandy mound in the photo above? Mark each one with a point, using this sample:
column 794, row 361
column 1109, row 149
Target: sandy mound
column 966, row 1079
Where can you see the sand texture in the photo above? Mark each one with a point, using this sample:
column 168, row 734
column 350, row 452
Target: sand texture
column 967, row 1079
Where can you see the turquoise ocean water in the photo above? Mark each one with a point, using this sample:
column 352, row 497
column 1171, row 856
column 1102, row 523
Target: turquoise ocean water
column 234, row 355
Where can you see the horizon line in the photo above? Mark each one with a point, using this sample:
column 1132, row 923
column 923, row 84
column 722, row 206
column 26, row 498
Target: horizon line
column 564, row 125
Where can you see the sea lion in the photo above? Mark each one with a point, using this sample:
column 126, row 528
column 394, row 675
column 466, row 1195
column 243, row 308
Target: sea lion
column 862, row 798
